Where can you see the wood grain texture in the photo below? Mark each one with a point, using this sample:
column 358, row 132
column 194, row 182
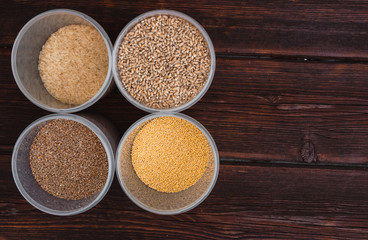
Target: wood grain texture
column 256, row 110
column 314, row 28
column 247, row 201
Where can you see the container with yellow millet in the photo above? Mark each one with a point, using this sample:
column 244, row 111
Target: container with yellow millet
column 167, row 163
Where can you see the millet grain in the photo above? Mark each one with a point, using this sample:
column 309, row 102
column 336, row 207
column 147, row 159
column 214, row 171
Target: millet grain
column 170, row 154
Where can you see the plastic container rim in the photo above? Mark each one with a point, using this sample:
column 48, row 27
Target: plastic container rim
column 105, row 142
column 126, row 29
column 104, row 87
column 210, row 140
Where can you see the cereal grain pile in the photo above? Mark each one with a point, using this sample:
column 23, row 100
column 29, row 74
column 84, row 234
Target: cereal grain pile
column 68, row 160
column 73, row 63
column 170, row 154
column 164, row 61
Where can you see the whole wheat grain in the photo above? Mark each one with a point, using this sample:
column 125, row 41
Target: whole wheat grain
column 164, row 61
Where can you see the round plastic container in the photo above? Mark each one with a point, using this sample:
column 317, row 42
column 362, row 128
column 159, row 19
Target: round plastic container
column 29, row 187
column 26, row 51
column 116, row 52
column 160, row 202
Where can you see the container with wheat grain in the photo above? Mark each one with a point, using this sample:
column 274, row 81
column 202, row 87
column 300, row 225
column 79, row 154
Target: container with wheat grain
column 163, row 61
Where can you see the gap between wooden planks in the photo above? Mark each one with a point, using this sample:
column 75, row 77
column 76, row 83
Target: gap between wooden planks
column 290, row 28
column 256, row 109
column 261, row 201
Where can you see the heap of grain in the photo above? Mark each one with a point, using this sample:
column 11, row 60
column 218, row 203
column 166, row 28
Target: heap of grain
column 164, row 62
column 170, row 154
column 68, row 160
column 73, row 63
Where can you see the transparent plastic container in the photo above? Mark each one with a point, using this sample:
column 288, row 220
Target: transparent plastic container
column 29, row 187
column 26, row 51
column 160, row 202
column 116, row 52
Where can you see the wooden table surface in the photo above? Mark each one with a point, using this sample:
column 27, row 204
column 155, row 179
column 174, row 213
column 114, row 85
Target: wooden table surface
column 288, row 109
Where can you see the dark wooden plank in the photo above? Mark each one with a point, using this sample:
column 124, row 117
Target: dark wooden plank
column 266, row 114
column 257, row 110
column 247, row 201
column 300, row 28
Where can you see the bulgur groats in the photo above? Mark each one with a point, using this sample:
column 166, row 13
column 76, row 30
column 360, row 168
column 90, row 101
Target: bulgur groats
column 170, row 154
column 68, row 160
column 73, row 63
column 164, row 61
